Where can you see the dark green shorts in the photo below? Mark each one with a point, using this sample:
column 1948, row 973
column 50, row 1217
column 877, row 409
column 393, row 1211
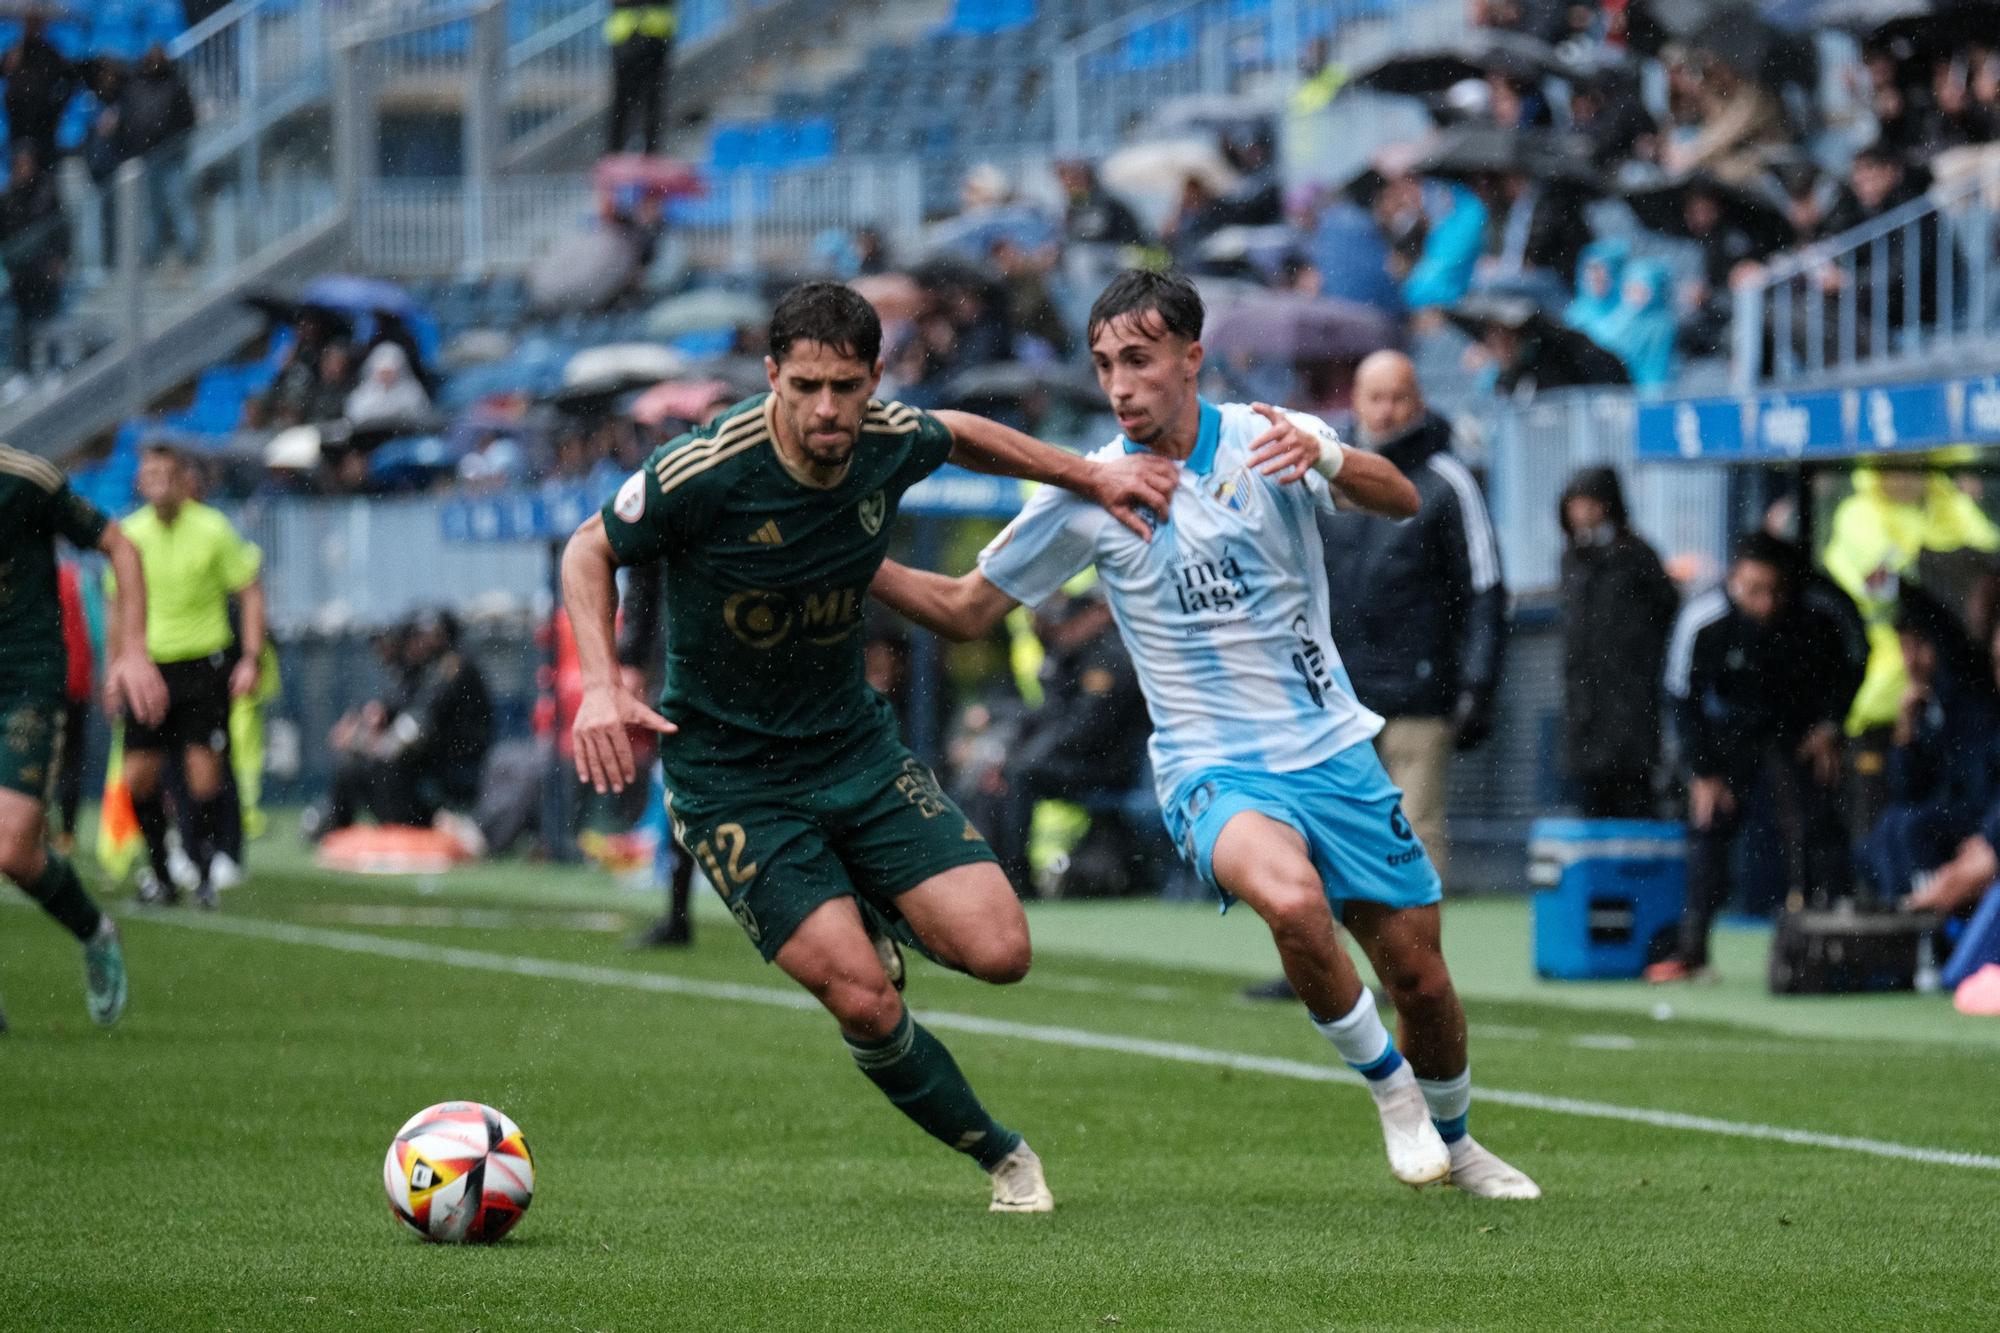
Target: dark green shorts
column 30, row 736
column 875, row 833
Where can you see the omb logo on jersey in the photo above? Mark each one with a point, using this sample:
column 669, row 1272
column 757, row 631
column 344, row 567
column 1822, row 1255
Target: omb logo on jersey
column 763, row 620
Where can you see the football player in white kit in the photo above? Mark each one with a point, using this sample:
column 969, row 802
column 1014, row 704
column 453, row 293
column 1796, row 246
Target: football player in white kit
column 1261, row 755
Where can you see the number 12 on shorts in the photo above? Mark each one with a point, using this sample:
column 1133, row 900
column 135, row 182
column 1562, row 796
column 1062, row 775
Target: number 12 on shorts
column 722, row 858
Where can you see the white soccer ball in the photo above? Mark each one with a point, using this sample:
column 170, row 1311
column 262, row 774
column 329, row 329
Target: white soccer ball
column 459, row 1171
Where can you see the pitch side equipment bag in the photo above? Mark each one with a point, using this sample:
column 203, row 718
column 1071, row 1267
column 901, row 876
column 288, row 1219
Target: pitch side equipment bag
column 1845, row 949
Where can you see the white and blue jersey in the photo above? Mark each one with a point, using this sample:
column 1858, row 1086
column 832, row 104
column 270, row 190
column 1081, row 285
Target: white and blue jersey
column 1225, row 615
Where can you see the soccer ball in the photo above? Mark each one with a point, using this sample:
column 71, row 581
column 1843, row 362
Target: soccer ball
column 459, row 1171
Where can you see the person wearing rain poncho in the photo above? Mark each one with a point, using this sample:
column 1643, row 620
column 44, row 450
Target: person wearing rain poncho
column 1599, row 273
column 1879, row 535
column 1640, row 330
column 389, row 389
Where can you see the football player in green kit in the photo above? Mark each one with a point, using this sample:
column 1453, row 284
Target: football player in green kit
column 786, row 778
column 37, row 506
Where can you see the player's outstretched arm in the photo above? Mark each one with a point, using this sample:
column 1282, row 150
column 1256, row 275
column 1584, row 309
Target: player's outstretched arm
column 131, row 681
column 590, row 595
column 1124, row 486
column 960, row 609
column 1294, row 446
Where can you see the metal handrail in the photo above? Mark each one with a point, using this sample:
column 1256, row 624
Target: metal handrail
column 555, row 34
column 1834, row 309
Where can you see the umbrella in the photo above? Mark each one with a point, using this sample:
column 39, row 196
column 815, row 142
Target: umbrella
column 894, row 295
column 1477, row 313
column 1485, row 150
column 1209, row 113
column 623, row 365
column 1924, row 29
column 976, row 232
column 948, row 273
column 705, row 310
column 582, row 271
column 296, row 449
column 1289, row 328
column 1662, row 207
column 1162, row 166
column 1262, row 248
column 476, row 347
column 283, row 308
column 412, row 461
column 658, row 177
column 375, row 431
column 681, row 400
column 1003, row 383
column 1486, row 51
column 355, row 294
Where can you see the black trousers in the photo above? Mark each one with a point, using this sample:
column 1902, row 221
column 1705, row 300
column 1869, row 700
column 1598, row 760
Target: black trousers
column 1811, row 824
column 640, row 67
column 1619, row 794
column 389, row 789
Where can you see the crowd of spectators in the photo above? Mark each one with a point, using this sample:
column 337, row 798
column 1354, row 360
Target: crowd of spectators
column 141, row 110
column 1624, row 168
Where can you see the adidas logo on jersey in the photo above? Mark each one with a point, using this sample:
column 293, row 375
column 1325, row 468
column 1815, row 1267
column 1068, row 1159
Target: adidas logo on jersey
column 768, row 535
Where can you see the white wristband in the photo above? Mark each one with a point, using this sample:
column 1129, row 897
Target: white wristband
column 1332, row 454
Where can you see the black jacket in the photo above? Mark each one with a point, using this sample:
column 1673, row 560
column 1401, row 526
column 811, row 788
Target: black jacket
column 1090, row 733
column 1737, row 687
column 1418, row 608
column 155, row 109
column 1618, row 608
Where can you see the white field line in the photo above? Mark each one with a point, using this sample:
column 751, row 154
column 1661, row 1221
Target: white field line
column 1073, row 1038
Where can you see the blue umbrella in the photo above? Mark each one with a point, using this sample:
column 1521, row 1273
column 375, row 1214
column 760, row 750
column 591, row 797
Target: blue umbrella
column 359, row 295
column 973, row 234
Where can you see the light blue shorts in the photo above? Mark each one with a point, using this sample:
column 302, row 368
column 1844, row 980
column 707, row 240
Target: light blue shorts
column 1346, row 809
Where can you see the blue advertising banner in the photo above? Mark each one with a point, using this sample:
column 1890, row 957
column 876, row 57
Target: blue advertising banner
column 1827, row 424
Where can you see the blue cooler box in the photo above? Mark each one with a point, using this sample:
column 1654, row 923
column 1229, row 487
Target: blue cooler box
column 1606, row 888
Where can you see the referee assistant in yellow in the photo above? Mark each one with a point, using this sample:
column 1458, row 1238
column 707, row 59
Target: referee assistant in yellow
column 194, row 562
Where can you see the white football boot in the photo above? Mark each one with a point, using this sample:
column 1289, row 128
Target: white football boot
column 1417, row 1156
column 182, row 870
column 1477, row 1171
column 1018, row 1184
column 223, row 873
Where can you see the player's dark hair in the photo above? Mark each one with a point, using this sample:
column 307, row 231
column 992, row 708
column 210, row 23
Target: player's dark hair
column 1763, row 549
column 1170, row 297
column 831, row 314
column 166, row 449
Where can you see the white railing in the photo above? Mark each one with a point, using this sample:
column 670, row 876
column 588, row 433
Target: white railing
column 1113, row 76
column 1917, row 284
column 545, row 70
column 753, row 217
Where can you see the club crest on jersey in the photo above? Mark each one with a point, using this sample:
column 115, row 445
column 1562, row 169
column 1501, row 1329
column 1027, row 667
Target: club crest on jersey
column 1233, row 492
column 631, row 502
column 872, row 511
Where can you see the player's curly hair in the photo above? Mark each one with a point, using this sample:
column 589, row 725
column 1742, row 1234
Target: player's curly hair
column 828, row 313
column 1170, row 297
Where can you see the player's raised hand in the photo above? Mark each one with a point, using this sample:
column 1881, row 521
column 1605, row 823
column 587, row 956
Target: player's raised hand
column 1284, row 451
column 133, row 684
column 1124, row 486
column 603, row 749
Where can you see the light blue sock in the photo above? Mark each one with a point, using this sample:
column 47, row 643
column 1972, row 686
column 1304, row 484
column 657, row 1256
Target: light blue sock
column 1362, row 1040
column 1450, row 1100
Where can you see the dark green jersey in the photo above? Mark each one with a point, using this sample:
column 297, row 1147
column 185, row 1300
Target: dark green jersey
column 36, row 506
column 766, row 578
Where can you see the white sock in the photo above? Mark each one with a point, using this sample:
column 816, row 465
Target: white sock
column 1364, row 1043
column 1450, row 1100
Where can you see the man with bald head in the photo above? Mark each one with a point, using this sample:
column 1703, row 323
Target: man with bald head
column 1418, row 607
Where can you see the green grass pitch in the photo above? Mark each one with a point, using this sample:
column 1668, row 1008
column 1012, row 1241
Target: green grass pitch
column 710, row 1160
